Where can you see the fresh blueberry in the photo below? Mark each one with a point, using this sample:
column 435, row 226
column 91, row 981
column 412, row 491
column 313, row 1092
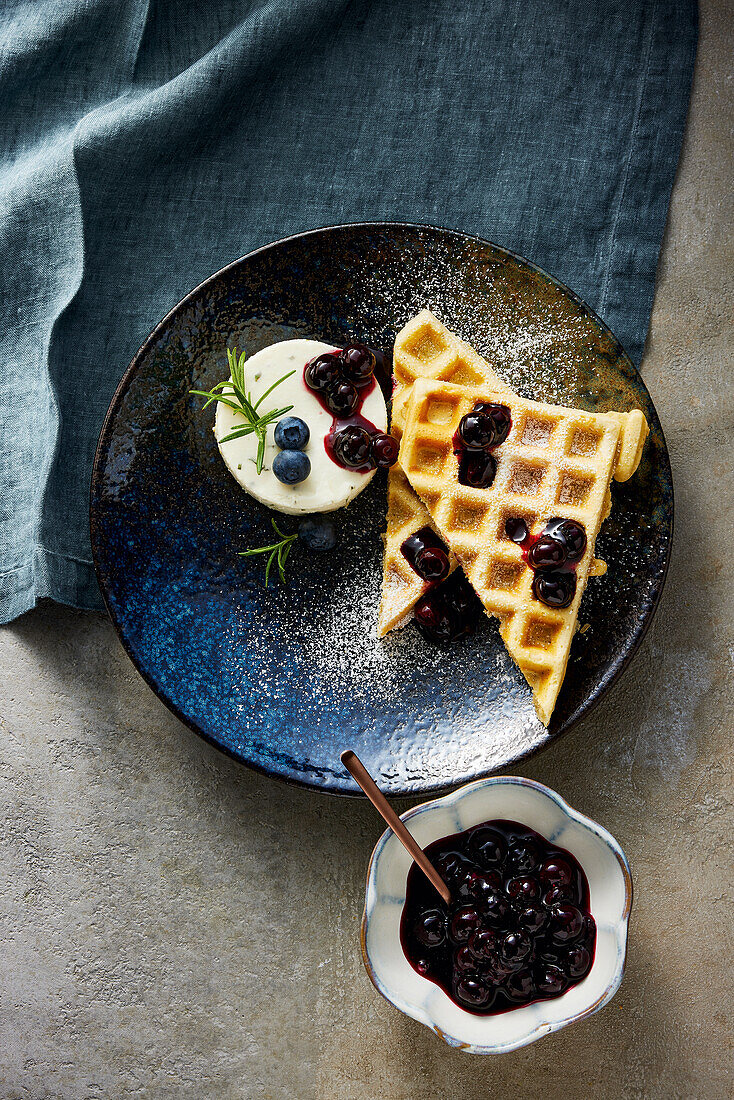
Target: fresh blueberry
column 317, row 534
column 291, row 433
column 291, row 467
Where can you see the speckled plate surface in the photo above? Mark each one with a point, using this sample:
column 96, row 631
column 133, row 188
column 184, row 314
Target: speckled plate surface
column 284, row 678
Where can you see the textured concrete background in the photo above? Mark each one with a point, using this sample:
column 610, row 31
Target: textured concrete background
column 174, row 926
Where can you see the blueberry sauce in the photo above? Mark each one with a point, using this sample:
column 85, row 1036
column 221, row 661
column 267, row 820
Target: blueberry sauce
column 553, row 555
column 449, row 611
column 427, row 555
column 519, row 928
column 479, row 432
column 341, row 381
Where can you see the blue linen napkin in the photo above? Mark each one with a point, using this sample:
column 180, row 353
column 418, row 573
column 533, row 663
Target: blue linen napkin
column 146, row 143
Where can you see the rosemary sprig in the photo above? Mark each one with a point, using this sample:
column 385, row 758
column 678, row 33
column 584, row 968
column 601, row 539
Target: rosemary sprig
column 278, row 552
column 233, row 394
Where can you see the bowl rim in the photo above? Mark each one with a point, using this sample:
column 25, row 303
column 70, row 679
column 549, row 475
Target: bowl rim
column 621, row 928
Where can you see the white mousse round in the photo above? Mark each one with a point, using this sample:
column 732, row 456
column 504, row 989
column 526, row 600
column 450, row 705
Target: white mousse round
column 328, row 486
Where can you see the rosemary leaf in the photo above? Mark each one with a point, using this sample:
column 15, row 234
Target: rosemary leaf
column 233, row 394
column 269, row 391
column 277, row 552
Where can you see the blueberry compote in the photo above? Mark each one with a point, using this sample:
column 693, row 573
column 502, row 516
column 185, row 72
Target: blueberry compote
column 427, row 555
column 449, row 611
column 553, row 555
column 479, row 432
column 341, row 380
column 519, row 927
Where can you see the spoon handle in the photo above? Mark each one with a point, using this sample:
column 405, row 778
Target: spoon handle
column 360, row 775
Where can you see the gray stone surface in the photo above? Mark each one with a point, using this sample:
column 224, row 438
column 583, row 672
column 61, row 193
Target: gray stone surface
column 174, row 926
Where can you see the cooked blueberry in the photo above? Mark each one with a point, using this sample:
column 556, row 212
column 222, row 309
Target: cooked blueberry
column 322, row 372
column 569, row 532
column 578, row 961
column 501, row 942
column 520, row 986
column 472, row 992
column 432, row 564
column 384, row 450
column 476, row 431
column 464, row 921
column 480, row 885
column 430, row 928
column 291, row 433
column 566, row 923
column 515, row 947
column 477, row 469
column 550, row 981
column 449, row 864
column 342, row 399
column 358, row 363
column 532, row 918
column 555, row 871
column 352, row 446
column 554, row 589
column 317, row 534
column 291, row 467
column 432, row 620
column 516, row 529
column 501, row 418
column 488, row 845
column 496, row 909
column 558, row 895
column 546, row 553
column 460, row 597
column 523, row 856
column 522, row 889
column 487, row 425
column 464, row 959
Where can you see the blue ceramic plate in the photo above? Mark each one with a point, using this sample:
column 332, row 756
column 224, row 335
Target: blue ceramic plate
column 284, row 678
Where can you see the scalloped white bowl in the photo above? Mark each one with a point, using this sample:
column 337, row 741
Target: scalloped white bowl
column 610, row 887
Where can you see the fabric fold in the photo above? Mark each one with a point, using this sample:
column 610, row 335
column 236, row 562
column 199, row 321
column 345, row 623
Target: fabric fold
column 143, row 148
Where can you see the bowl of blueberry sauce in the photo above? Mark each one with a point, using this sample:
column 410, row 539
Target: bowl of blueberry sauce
column 535, row 935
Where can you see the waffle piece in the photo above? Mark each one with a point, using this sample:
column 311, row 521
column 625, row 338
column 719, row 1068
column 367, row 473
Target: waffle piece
column 423, row 348
column 555, row 462
column 402, row 587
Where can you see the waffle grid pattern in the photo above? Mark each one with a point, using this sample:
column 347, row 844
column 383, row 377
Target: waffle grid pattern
column 555, row 462
column 424, row 348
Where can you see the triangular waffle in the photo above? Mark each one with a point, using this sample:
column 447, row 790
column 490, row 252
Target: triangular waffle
column 555, row 462
column 424, row 348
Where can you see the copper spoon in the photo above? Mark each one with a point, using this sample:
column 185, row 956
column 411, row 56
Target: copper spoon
column 360, row 775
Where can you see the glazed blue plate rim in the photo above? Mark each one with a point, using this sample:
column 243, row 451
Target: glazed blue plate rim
column 634, row 638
